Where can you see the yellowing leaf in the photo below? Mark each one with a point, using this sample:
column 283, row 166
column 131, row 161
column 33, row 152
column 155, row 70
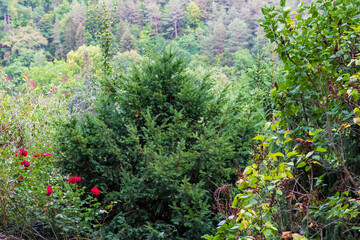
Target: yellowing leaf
column 288, row 173
column 275, row 155
column 289, row 154
column 247, row 170
column 259, row 137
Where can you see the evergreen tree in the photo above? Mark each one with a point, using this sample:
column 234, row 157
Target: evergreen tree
column 238, row 35
column 127, row 42
column 57, row 39
column 193, row 14
column 80, row 36
column 46, row 25
column 70, row 32
column 159, row 146
column 174, row 16
column 153, row 14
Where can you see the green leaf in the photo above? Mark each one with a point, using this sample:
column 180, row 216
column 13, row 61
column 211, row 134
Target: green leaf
column 282, row 3
column 289, row 174
column 275, row 155
column 289, row 154
column 309, row 154
column 316, row 132
column 300, row 165
column 320, row 149
column 247, row 170
column 307, row 168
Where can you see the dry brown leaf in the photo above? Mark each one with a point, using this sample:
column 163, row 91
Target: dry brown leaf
column 286, row 235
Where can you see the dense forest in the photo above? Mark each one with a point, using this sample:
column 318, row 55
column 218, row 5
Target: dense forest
column 170, row 119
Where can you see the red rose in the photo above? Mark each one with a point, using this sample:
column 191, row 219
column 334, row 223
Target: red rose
column 20, row 178
column 74, row 180
column 47, row 154
column 49, row 190
column 37, row 155
column 23, row 152
column 95, row 191
column 25, row 163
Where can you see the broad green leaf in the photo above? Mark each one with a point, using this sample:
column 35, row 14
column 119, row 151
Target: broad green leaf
column 289, row 154
column 300, row 165
column 289, row 174
column 316, row 132
column 247, row 170
column 275, row 155
column 309, row 154
column 320, row 149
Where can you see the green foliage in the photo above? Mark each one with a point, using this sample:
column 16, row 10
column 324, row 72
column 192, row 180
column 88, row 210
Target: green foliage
column 159, row 141
column 303, row 182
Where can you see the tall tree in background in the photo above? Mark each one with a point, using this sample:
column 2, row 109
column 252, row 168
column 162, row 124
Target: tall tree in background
column 46, row 25
column 80, row 36
column 175, row 12
column 193, row 14
column 238, row 34
column 153, row 14
column 127, row 42
column 134, row 13
column 56, row 35
column 69, row 33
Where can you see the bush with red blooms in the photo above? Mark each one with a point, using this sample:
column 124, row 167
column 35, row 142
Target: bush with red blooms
column 23, row 152
column 41, row 194
column 95, row 191
column 49, row 190
column 74, row 180
column 25, row 163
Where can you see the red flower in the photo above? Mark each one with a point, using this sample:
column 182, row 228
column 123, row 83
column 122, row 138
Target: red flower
column 23, row 152
column 37, row 155
column 25, row 163
column 95, row 191
column 49, row 190
column 74, row 180
column 47, row 154
column 20, row 178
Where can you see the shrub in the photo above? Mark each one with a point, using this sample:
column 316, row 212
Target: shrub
column 160, row 142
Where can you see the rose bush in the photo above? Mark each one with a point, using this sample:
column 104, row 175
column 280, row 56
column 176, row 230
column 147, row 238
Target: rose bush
column 36, row 202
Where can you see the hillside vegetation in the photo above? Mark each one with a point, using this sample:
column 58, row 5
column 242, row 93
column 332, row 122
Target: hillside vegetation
column 169, row 119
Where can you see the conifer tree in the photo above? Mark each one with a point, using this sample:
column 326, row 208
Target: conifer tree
column 57, row 39
column 174, row 16
column 70, row 32
column 159, row 145
column 237, row 34
column 153, row 14
column 127, row 42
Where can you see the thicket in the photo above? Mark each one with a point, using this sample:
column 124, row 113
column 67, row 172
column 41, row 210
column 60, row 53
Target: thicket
column 304, row 180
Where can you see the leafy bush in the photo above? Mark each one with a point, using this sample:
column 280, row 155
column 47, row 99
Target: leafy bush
column 304, row 182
